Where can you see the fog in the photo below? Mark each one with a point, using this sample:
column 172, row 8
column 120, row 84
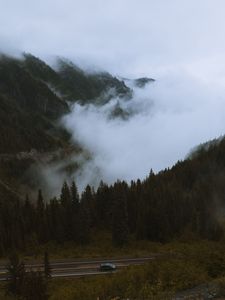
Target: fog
column 179, row 43
column 168, row 118
column 128, row 37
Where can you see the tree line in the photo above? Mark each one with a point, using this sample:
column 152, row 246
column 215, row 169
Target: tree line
column 187, row 199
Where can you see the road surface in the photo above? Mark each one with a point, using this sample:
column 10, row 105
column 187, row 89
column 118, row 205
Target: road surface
column 76, row 268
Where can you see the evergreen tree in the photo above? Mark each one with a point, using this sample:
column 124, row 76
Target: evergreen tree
column 74, row 196
column 28, row 216
column 34, row 287
column 47, row 267
column 75, row 211
column 41, row 219
column 55, row 220
column 120, row 218
column 40, row 203
column 84, row 221
column 65, row 196
column 88, row 200
column 16, row 275
column 66, row 212
column 103, row 200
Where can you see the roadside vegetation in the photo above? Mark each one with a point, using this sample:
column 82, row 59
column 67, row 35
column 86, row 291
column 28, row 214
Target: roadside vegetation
column 182, row 265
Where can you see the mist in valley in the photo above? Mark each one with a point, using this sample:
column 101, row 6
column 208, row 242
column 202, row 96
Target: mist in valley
column 164, row 121
column 180, row 45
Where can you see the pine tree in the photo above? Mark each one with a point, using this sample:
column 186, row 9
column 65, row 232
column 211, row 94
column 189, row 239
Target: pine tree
column 34, row 287
column 65, row 196
column 119, row 216
column 41, row 219
column 40, row 203
column 74, row 196
column 89, row 201
column 75, row 211
column 16, row 275
column 66, row 212
column 47, row 267
column 84, row 221
column 55, row 220
column 103, row 206
column 28, row 216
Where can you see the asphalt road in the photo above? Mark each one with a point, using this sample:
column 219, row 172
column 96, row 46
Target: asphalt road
column 76, row 268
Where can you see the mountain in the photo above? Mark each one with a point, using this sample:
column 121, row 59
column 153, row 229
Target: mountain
column 28, row 109
column 187, row 199
column 88, row 87
column 141, row 82
column 33, row 98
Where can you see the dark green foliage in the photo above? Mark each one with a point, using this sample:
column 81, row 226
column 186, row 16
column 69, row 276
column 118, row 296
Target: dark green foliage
column 33, row 97
column 119, row 215
column 29, row 92
column 85, row 217
column 22, row 130
column 215, row 264
column 162, row 207
column 30, row 104
column 70, row 208
column 16, row 275
column 34, row 286
column 75, row 209
column 77, row 85
column 41, row 222
column 39, row 69
column 28, row 109
column 54, row 214
column 27, row 285
column 28, row 216
column 74, row 197
column 47, row 267
column 104, row 204
column 185, row 200
column 65, row 196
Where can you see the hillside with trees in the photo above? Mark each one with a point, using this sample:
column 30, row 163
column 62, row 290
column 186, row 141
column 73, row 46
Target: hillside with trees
column 33, row 98
column 187, row 199
column 185, row 202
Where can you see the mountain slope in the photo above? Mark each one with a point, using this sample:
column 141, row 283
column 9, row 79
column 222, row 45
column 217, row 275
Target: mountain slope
column 86, row 87
column 33, row 98
column 189, row 197
column 28, row 109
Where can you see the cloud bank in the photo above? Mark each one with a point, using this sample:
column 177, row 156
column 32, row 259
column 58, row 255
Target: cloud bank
column 129, row 37
column 170, row 116
column 179, row 43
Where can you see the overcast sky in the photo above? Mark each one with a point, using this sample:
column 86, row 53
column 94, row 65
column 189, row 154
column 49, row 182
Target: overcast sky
column 181, row 43
column 124, row 36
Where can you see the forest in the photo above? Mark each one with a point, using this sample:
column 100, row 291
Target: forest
column 178, row 210
column 186, row 199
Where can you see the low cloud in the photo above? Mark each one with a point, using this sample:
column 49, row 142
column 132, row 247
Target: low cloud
column 179, row 43
column 168, row 118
